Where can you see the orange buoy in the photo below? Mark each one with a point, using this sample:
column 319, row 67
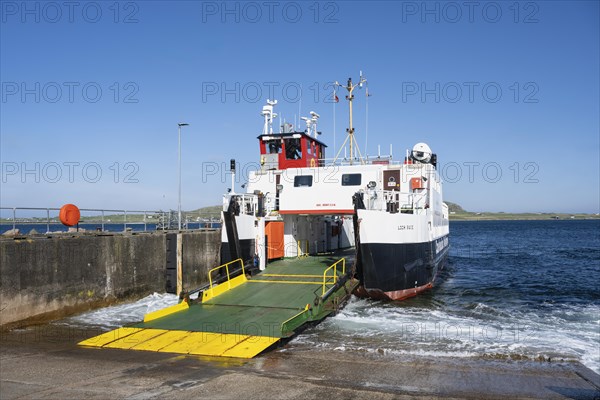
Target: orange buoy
column 69, row 215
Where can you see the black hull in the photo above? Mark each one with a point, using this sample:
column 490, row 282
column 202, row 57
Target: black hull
column 400, row 270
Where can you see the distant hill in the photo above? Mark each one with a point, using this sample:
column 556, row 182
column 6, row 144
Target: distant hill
column 459, row 213
column 210, row 211
column 453, row 207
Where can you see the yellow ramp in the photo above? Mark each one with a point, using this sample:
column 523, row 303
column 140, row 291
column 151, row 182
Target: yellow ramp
column 108, row 337
column 183, row 342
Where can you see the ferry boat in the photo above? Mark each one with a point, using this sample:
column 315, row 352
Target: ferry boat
column 389, row 215
column 299, row 203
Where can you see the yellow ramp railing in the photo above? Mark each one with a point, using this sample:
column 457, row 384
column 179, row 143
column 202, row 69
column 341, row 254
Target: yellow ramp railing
column 229, row 284
column 328, row 278
column 334, row 276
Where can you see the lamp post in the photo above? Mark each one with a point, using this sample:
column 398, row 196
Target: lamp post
column 179, row 125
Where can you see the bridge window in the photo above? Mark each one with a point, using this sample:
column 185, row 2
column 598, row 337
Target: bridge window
column 273, row 146
column 351, row 179
column 293, row 149
column 303, row 181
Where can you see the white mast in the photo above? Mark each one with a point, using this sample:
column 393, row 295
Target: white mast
column 350, row 138
column 334, row 103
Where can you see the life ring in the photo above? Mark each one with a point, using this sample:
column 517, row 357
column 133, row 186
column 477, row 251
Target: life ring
column 313, row 163
column 69, row 214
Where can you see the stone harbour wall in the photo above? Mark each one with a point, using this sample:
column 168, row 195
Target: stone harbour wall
column 44, row 277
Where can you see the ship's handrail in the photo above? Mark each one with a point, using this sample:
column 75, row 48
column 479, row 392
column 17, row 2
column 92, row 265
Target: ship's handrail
column 271, row 203
column 324, row 162
column 248, row 202
column 377, row 199
column 334, row 276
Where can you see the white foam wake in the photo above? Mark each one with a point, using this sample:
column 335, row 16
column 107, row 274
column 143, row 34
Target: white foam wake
column 565, row 332
column 122, row 314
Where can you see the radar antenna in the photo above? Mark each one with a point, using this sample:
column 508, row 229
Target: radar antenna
column 269, row 115
column 311, row 123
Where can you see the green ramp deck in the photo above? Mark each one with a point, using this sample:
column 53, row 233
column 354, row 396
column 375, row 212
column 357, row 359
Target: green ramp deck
column 242, row 316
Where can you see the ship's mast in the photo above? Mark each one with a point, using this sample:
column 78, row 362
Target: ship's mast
column 350, row 137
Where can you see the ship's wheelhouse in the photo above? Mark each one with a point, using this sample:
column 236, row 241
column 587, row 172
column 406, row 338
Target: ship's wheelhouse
column 290, row 150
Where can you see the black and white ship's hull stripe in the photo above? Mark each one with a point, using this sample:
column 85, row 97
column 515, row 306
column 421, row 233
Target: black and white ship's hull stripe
column 400, row 254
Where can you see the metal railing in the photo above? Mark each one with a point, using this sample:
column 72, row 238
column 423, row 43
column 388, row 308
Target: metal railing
column 378, row 200
column 226, row 284
column 226, row 266
column 334, row 276
column 271, row 204
column 100, row 217
column 248, row 203
column 341, row 161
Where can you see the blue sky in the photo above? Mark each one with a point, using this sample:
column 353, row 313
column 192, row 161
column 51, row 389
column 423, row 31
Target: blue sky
column 507, row 95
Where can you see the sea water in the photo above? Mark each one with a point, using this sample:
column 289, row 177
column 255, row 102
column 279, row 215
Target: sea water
column 511, row 289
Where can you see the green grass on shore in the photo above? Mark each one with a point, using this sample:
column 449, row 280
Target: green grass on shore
column 494, row 216
column 457, row 213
